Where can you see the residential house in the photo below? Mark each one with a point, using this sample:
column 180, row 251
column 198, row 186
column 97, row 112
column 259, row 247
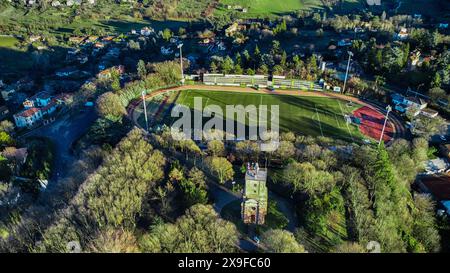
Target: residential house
column 255, row 198
column 4, row 111
column 438, row 186
column 403, row 34
column 106, row 73
column 435, row 166
column 35, row 38
column 345, row 42
column 27, row 117
column 76, row 39
column 8, row 92
column 36, row 107
column 414, row 60
column 232, row 29
column 402, row 104
column 147, row 31
column 430, row 113
column 415, row 102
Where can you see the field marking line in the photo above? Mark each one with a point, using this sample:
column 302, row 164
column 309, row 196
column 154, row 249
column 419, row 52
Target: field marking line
column 348, row 127
column 318, row 118
column 179, row 101
column 339, row 124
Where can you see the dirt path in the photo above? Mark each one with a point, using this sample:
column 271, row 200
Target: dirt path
column 397, row 125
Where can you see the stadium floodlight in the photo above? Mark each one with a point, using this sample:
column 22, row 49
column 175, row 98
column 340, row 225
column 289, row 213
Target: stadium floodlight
column 179, row 46
column 145, row 108
column 389, row 109
column 350, row 55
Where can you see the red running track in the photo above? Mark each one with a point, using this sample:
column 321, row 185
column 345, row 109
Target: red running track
column 372, row 123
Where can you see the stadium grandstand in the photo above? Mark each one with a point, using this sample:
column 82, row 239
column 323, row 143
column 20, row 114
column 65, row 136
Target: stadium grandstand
column 283, row 83
column 236, row 80
column 260, row 81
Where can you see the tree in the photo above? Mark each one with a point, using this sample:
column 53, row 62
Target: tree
column 141, row 69
column 220, row 167
column 176, row 175
column 109, row 106
column 114, row 241
column 5, row 139
column 238, row 69
column 6, row 126
column 192, row 193
column 281, row 241
column 115, row 80
column 349, row 247
column 379, row 82
column 304, row 177
column 285, row 151
column 167, row 34
column 213, row 67
column 5, row 170
column 198, row 177
column 200, row 230
column 227, row 65
column 112, row 197
column 424, row 228
column 437, row 94
column 216, row 147
column 247, row 150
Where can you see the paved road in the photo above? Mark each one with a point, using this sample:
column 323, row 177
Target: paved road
column 63, row 132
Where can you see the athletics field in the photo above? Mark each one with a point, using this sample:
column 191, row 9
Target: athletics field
column 305, row 115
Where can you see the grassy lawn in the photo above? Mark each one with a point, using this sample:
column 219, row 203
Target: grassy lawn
column 314, row 116
column 8, row 42
column 274, row 218
column 269, row 8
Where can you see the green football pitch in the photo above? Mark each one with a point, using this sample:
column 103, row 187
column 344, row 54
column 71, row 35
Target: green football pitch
column 304, row 115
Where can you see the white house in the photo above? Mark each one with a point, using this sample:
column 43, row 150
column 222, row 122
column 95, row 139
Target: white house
column 147, row 31
column 27, row 117
column 36, row 107
column 403, row 34
column 415, row 102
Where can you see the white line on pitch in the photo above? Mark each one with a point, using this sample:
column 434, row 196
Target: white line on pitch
column 318, row 118
column 339, row 124
column 343, row 116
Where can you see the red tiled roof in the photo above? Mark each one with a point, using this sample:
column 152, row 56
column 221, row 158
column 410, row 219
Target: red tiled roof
column 29, row 112
column 48, row 106
column 438, row 186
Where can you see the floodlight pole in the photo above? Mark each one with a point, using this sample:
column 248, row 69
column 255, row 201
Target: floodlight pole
column 145, row 109
column 389, row 109
column 350, row 54
column 180, row 46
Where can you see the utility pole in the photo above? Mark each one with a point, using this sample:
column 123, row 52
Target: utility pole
column 145, row 109
column 181, row 62
column 389, row 109
column 350, row 55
